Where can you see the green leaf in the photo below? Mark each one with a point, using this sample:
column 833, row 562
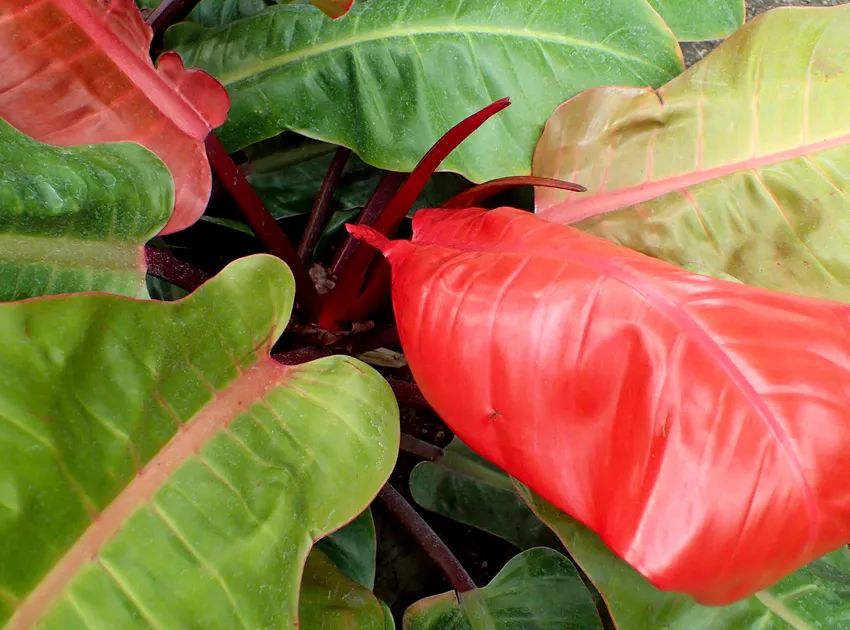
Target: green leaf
column 817, row 597
column 466, row 487
column 694, row 20
column 392, row 76
column 76, row 219
column 160, row 289
column 538, row 589
column 161, row 470
column 352, row 549
column 289, row 190
column 740, row 166
column 330, row 600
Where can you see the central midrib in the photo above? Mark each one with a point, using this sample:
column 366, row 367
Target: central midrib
column 252, row 385
column 229, row 79
column 71, row 252
column 670, row 309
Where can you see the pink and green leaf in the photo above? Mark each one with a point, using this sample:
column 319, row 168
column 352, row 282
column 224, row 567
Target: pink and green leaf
column 738, row 166
column 162, row 470
column 76, row 219
column 79, row 72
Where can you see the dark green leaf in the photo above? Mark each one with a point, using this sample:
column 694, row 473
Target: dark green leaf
column 393, row 75
column 539, row 589
column 352, row 549
column 331, row 601
column 75, row 218
column 467, row 488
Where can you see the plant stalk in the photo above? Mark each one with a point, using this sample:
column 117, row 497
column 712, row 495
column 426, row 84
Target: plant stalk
column 384, row 192
column 420, row 448
column 263, row 223
column 427, row 538
column 166, row 266
column 168, row 13
column 322, row 208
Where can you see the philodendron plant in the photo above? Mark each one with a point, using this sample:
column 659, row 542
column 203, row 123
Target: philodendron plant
column 649, row 376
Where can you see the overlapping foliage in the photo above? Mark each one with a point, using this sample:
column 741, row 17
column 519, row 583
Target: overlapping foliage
column 162, row 470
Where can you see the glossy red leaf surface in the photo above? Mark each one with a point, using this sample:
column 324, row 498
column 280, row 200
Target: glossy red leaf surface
column 699, row 426
column 79, row 71
column 334, row 8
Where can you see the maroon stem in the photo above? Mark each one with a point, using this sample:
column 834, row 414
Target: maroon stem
column 427, row 539
column 262, row 222
column 322, row 208
column 166, row 266
column 414, row 446
column 169, row 12
column 384, row 191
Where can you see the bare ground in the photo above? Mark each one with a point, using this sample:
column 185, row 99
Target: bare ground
column 694, row 51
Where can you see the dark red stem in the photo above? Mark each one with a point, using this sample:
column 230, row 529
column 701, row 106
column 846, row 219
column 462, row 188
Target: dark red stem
column 167, row 13
column 262, row 222
column 338, row 303
column 414, row 446
column 166, row 266
column 322, row 208
column 427, row 539
column 471, row 197
column 384, row 191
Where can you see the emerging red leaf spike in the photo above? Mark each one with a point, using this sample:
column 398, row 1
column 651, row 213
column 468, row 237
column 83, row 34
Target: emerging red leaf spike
column 79, row 72
column 699, row 426
column 342, row 303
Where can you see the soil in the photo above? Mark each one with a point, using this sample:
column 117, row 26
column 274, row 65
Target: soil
column 694, row 51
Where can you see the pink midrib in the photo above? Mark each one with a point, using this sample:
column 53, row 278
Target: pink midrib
column 252, row 385
column 163, row 96
column 689, row 326
column 592, row 204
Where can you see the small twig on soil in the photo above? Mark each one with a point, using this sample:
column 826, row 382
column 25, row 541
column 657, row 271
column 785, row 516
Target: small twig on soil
column 369, row 340
column 384, row 191
column 263, row 223
column 414, row 446
column 166, row 266
column 167, row 13
column 407, row 394
column 322, row 208
column 427, row 539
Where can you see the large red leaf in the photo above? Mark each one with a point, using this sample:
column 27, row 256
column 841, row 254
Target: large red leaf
column 699, row 426
column 78, row 71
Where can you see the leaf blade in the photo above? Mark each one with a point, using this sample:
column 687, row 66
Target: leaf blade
column 75, row 219
column 288, row 44
column 227, row 504
column 766, row 164
column 815, row 595
column 94, row 82
column 538, row 589
column 615, row 443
